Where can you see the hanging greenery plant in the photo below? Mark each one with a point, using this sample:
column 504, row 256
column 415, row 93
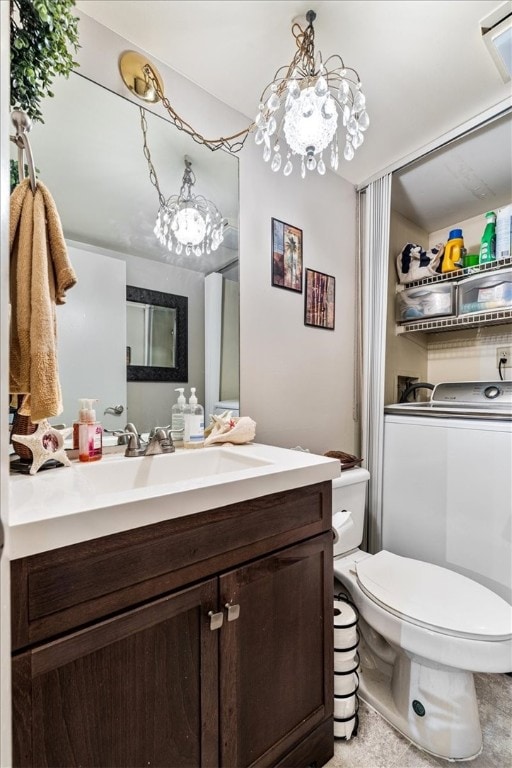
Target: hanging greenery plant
column 15, row 173
column 42, row 34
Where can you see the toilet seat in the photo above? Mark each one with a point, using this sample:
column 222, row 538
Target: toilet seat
column 434, row 597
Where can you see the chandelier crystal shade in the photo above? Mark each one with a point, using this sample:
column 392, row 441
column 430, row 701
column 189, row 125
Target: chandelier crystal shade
column 189, row 222
column 303, row 106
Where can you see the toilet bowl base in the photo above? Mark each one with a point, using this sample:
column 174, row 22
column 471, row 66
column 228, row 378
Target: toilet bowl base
column 434, row 707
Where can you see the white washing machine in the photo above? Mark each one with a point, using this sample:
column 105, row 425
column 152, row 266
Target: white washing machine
column 447, row 481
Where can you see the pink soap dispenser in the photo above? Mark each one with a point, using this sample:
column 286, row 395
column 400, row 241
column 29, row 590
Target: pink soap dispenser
column 90, row 434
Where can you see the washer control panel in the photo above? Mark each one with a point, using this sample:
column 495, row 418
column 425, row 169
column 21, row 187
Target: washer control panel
column 477, row 393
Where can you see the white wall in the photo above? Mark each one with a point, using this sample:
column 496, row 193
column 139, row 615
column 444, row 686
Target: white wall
column 230, row 351
column 406, row 354
column 149, row 405
column 296, row 381
column 88, row 336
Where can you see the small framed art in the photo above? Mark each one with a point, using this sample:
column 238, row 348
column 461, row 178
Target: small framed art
column 286, row 256
column 319, row 300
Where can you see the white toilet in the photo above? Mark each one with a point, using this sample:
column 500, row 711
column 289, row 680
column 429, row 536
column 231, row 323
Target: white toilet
column 423, row 630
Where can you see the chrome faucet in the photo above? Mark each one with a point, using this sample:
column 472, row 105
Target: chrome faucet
column 160, row 441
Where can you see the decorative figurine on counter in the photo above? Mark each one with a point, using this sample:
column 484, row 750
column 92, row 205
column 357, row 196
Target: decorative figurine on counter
column 45, row 443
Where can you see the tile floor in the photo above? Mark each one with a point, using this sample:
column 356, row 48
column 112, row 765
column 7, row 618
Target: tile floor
column 377, row 745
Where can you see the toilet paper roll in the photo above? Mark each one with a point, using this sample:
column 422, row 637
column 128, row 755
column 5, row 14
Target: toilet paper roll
column 341, row 524
column 345, row 638
column 344, row 615
column 344, row 707
column 343, row 729
column 346, row 661
column 345, row 684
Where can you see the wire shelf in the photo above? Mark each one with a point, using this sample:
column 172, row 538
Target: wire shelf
column 477, row 319
column 458, row 274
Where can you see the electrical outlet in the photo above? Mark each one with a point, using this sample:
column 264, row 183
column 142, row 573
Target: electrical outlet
column 504, row 352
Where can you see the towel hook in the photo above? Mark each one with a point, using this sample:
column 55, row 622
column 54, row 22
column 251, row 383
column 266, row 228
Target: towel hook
column 23, row 124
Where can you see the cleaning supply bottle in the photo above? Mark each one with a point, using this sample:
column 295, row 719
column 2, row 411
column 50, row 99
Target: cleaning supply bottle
column 90, row 435
column 81, row 419
column 454, row 251
column 178, row 418
column 488, row 242
column 194, row 422
column 504, row 233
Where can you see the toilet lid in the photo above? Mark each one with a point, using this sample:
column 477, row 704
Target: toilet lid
column 434, row 597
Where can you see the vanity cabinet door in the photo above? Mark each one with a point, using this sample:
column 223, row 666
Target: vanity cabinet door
column 276, row 658
column 139, row 689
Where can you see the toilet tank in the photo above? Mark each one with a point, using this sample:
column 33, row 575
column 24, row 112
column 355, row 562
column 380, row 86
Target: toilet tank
column 348, row 506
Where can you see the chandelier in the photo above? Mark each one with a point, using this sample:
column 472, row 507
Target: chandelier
column 298, row 118
column 303, row 105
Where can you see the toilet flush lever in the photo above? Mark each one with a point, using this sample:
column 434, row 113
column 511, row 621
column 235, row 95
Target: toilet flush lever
column 216, row 619
column 233, row 611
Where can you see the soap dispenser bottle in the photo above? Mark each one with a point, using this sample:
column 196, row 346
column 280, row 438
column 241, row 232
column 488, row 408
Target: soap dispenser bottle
column 194, row 422
column 81, row 419
column 90, row 435
column 178, row 418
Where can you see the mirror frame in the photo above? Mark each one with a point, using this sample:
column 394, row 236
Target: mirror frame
column 180, row 304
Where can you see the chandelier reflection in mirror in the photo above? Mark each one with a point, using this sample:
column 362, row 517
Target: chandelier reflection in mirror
column 188, row 221
column 185, row 222
column 303, row 104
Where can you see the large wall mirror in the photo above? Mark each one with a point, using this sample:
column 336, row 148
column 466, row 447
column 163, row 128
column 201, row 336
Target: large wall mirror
column 89, row 153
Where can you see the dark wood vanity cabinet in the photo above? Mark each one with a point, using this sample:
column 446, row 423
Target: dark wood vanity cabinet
column 126, row 665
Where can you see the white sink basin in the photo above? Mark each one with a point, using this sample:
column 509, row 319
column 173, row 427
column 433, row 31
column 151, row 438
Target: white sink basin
column 58, row 507
column 123, row 474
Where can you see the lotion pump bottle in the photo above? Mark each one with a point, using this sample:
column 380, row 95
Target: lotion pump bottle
column 90, row 435
column 178, row 418
column 194, row 422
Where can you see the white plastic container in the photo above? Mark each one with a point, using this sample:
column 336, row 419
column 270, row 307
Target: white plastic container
column 504, row 233
column 486, row 292
column 424, row 301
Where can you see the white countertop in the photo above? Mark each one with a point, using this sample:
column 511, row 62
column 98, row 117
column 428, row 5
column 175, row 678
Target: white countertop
column 67, row 505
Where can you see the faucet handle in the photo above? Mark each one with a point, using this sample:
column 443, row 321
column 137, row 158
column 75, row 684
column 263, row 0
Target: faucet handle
column 131, row 428
column 122, row 437
column 163, row 436
column 156, row 429
column 131, row 440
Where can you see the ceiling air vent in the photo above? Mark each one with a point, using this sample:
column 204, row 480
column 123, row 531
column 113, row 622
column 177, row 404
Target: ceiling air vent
column 496, row 29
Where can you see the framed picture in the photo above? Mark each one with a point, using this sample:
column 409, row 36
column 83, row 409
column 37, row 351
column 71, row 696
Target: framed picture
column 286, row 256
column 319, row 300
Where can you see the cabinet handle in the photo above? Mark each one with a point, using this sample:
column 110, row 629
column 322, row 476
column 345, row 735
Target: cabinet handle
column 233, row 611
column 216, row 619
